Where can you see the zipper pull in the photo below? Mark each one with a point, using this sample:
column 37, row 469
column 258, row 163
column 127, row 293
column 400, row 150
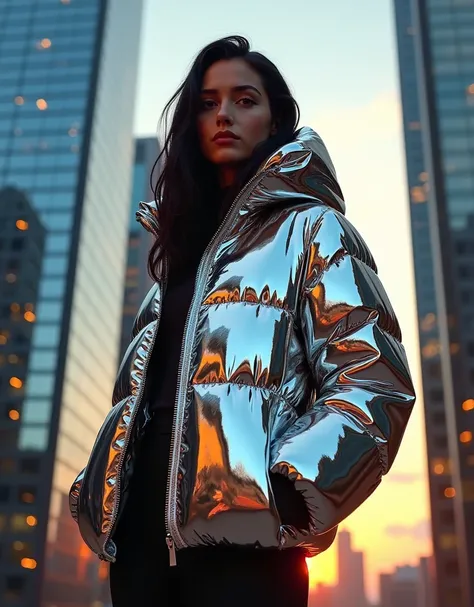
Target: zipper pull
column 172, row 550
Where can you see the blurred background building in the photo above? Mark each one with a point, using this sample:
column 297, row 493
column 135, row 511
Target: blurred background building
column 351, row 574
column 66, row 146
column 137, row 279
column 436, row 60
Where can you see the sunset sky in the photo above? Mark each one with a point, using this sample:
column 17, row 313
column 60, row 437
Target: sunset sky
column 340, row 60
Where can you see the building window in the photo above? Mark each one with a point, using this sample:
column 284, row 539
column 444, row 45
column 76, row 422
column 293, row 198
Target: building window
column 30, row 465
column 14, row 585
column 4, row 493
column 448, row 541
column 27, row 495
column 447, row 518
column 452, row 568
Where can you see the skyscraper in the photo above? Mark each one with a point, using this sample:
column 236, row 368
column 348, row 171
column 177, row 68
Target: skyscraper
column 436, row 56
column 401, row 588
column 67, row 89
column 351, row 576
column 137, row 280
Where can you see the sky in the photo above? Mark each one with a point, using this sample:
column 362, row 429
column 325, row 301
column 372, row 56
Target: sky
column 340, row 60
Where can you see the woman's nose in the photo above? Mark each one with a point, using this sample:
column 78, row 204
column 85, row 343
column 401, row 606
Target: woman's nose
column 224, row 115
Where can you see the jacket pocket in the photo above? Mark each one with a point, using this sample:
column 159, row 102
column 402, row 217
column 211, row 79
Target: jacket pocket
column 91, row 479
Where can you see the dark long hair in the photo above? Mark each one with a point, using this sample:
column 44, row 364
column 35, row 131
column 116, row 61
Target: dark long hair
column 188, row 180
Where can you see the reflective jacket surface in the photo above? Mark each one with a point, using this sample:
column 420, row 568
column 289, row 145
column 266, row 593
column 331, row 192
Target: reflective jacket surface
column 291, row 364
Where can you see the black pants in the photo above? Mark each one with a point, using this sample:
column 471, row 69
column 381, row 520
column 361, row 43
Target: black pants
column 228, row 577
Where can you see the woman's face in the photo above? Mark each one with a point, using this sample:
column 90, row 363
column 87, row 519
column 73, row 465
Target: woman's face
column 235, row 115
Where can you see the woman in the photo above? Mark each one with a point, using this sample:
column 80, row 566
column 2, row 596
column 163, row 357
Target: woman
column 265, row 391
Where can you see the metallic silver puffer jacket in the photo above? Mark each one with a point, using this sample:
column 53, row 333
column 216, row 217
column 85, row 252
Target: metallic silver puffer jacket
column 291, row 364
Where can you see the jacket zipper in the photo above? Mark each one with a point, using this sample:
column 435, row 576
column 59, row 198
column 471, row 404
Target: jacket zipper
column 107, row 556
column 174, row 540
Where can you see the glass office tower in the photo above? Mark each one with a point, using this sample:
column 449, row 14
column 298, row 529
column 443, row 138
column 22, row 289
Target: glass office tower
column 67, row 87
column 436, row 57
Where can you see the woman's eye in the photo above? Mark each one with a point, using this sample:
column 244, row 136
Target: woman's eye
column 246, row 101
column 207, row 104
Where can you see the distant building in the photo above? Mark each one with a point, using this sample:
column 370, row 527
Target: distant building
column 137, row 279
column 351, row 576
column 400, row 589
column 323, row 596
column 427, row 579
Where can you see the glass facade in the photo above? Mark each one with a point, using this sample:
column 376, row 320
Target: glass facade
column 436, row 55
column 66, row 143
column 137, row 280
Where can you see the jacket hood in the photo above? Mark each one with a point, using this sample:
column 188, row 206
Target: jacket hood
column 304, row 163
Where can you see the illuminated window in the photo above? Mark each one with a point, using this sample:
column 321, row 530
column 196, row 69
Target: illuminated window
column 417, row 194
column 431, row 349
column 15, row 307
column 21, row 225
column 30, row 317
column 19, row 522
column 450, row 492
column 41, row 104
column 424, row 176
column 19, row 100
column 441, row 466
column 31, row 521
column 428, row 322
column 45, row 43
column 15, row 382
column 13, row 359
column 14, row 415
column 11, row 278
column 27, row 495
column 468, row 405
column 448, row 541
column 27, row 563
column 470, row 89
column 465, row 437
column 454, row 348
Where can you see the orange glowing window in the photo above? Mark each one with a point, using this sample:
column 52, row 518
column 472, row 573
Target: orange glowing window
column 41, row 104
column 28, row 563
column 29, row 316
column 10, row 278
column 15, row 307
column 22, row 225
column 31, row 521
column 465, row 437
column 438, row 469
column 19, row 100
column 15, row 382
column 45, row 43
column 14, row 415
column 450, row 492
column 468, row 405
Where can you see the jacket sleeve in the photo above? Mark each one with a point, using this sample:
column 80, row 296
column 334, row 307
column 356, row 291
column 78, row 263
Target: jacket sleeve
column 337, row 452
